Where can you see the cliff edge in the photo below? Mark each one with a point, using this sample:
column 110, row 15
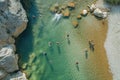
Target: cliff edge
column 13, row 22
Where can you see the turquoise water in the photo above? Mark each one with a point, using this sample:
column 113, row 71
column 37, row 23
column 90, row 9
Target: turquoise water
column 59, row 63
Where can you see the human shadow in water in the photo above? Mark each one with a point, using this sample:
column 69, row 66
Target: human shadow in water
column 68, row 40
column 51, row 49
column 49, row 63
column 86, row 54
column 41, row 29
column 59, row 49
column 77, row 66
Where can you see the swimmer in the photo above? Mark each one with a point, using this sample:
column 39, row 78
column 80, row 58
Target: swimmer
column 49, row 44
column 77, row 63
column 68, row 35
column 57, row 43
column 44, row 53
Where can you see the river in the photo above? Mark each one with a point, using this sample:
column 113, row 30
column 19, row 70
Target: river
column 58, row 62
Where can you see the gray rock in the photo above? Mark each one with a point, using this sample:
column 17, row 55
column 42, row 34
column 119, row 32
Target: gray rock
column 2, row 73
column 13, row 22
column 16, row 76
column 16, row 9
column 3, row 5
column 99, row 13
column 8, row 60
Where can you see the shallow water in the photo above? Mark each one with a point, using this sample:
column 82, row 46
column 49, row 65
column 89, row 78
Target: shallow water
column 59, row 63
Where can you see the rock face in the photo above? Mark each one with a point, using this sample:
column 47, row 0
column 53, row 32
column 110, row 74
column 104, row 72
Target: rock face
column 66, row 13
column 17, row 76
column 8, row 60
column 13, row 22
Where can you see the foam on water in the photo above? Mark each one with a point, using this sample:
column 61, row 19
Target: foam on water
column 112, row 43
column 57, row 17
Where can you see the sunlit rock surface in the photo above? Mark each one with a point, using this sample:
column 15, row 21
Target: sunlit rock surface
column 8, row 60
column 13, row 22
column 99, row 13
column 16, row 76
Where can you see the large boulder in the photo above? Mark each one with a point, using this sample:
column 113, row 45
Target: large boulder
column 99, row 13
column 16, row 76
column 8, row 60
column 13, row 22
column 20, row 18
column 54, row 8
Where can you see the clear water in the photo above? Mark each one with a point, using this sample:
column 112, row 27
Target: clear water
column 59, row 64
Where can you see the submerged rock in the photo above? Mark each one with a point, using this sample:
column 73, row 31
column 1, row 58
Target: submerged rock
column 54, row 8
column 63, row 7
column 56, row 5
column 66, row 13
column 84, row 12
column 71, row 5
column 24, row 66
column 79, row 17
column 75, row 24
column 13, row 22
column 99, row 13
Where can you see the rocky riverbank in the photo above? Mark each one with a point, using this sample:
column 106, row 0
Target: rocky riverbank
column 13, row 22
